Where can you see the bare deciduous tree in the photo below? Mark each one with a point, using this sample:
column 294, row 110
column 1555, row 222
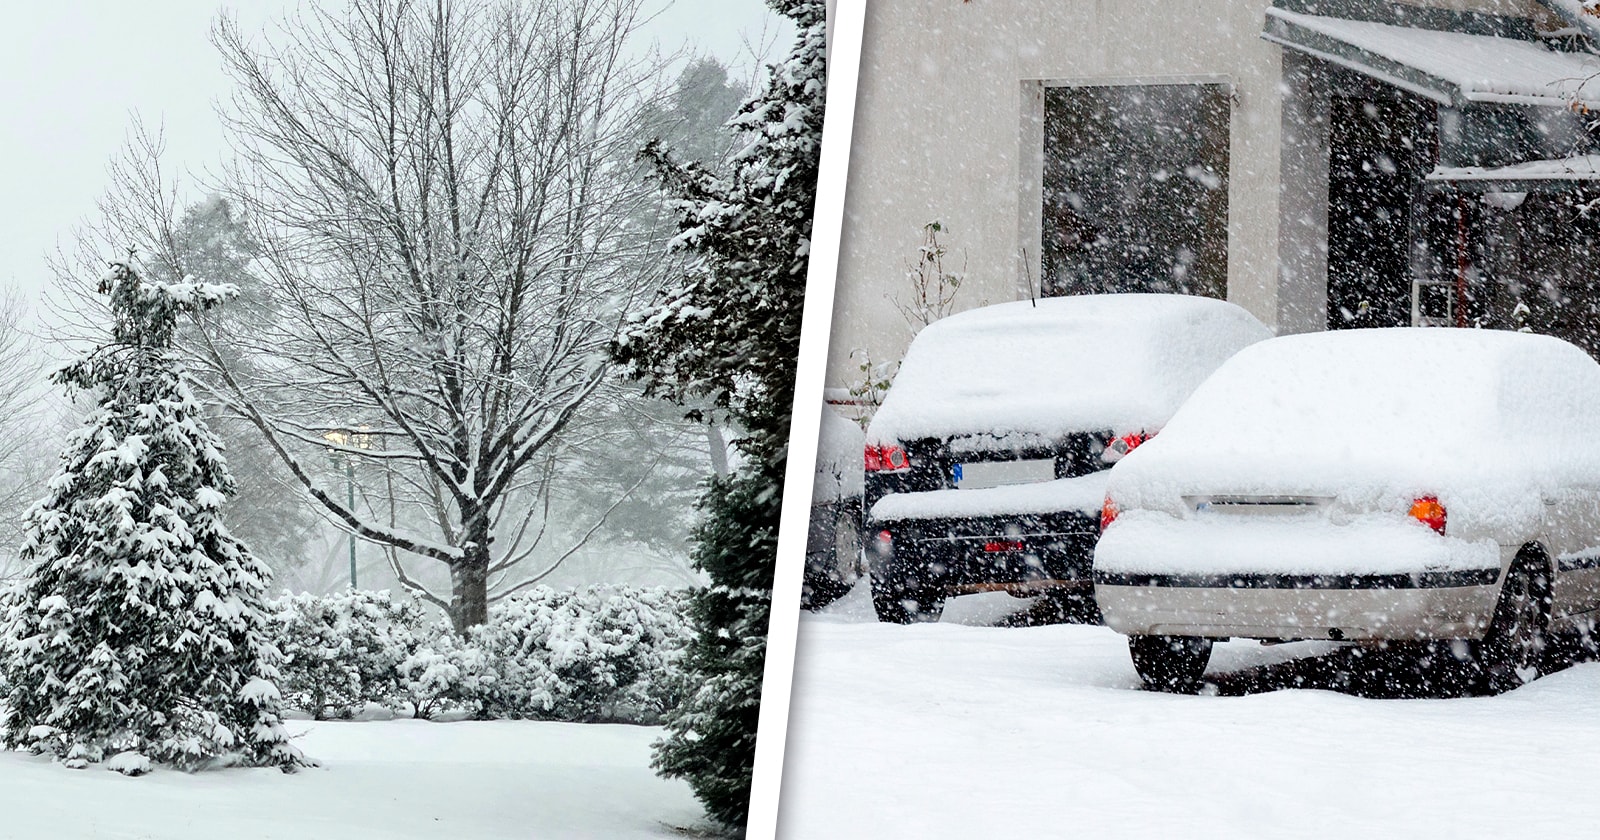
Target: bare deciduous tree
column 449, row 212
column 25, row 453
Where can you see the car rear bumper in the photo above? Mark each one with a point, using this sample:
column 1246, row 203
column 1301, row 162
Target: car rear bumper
column 1295, row 579
column 988, row 553
column 1287, row 608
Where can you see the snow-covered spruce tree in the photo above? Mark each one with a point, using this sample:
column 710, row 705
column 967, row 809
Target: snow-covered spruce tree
column 726, row 334
column 138, row 633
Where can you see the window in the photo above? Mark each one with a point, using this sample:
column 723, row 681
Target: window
column 1135, row 192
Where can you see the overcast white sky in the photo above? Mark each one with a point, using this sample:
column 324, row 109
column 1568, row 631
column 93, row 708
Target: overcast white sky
column 72, row 72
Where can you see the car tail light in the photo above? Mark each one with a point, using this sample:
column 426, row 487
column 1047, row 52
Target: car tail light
column 997, row 546
column 1108, row 514
column 886, row 458
column 1429, row 512
column 1122, row 445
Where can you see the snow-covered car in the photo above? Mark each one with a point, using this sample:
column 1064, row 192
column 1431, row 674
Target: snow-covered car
column 833, row 541
column 1434, row 485
column 986, row 463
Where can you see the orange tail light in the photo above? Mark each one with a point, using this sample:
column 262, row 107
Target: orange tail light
column 1429, row 512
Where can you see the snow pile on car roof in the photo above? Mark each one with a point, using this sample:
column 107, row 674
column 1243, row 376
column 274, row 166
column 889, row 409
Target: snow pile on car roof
column 1119, row 363
column 1479, row 417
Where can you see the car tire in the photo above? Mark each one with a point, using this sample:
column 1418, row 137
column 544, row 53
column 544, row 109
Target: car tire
column 1173, row 664
column 1512, row 649
column 905, row 593
column 839, row 567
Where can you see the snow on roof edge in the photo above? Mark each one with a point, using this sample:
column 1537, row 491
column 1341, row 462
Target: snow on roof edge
column 1364, row 69
column 1080, row 306
column 1381, row 44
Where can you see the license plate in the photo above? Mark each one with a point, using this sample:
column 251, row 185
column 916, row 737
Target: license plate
column 1259, row 505
column 980, row 474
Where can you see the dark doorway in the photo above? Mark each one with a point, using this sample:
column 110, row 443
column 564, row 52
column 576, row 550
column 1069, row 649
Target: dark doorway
column 1381, row 146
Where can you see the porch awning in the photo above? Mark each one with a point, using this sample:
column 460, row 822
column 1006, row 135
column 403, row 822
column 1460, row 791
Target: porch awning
column 1451, row 68
column 1533, row 176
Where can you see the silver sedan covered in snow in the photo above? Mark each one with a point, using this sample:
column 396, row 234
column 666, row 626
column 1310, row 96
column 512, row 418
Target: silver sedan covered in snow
column 1366, row 485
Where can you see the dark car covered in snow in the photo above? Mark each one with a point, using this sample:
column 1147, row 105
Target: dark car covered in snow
column 985, row 465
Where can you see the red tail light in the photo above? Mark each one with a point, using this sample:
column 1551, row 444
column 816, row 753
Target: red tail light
column 888, row 457
column 1429, row 512
column 1108, row 514
column 1122, row 445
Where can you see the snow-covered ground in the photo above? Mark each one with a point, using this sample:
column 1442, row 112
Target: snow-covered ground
column 967, row 731
column 378, row 779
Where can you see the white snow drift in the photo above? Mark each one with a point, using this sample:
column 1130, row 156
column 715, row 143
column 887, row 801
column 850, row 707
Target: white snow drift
column 944, row 731
column 379, row 780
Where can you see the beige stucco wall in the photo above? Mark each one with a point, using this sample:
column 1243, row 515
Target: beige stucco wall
column 945, row 128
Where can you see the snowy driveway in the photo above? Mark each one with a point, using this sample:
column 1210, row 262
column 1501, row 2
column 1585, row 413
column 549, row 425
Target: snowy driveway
column 960, row 731
column 380, row 780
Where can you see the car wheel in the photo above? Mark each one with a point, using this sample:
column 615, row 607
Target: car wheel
column 902, row 593
column 847, row 560
column 896, row 603
column 837, row 572
column 1513, row 648
column 1170, row 663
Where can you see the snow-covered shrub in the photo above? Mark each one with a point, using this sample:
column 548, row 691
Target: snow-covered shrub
column 599, row 653
column 659, row 683
column 447, row 674
column 344, row 651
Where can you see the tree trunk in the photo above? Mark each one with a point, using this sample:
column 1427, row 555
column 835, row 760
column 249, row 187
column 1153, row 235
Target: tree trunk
column 718, row 447
column 469, row 588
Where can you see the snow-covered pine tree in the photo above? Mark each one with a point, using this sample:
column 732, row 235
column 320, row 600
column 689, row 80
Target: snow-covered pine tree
column 138, row 633
column 727, row 334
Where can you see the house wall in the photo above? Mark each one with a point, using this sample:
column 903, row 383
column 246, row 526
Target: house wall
column 948, row 127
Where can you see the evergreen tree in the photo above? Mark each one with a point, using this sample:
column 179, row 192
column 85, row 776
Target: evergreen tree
column 727, row 334
column 138, row 632
column 694, row 121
